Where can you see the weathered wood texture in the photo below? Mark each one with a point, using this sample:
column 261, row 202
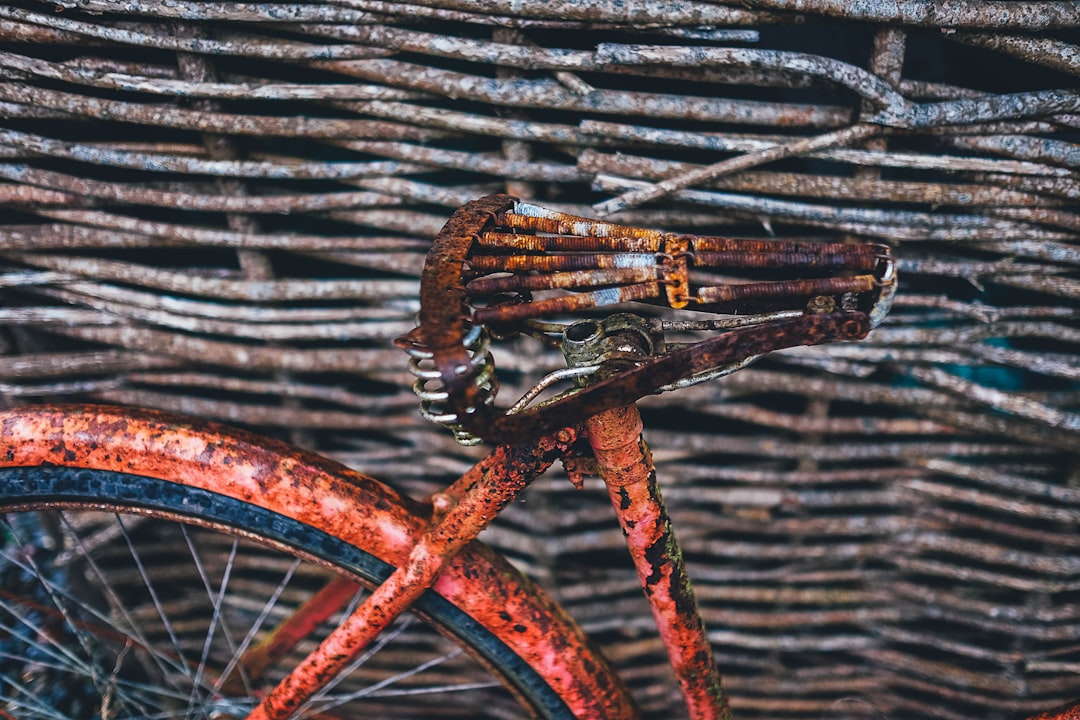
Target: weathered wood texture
column 222, row 209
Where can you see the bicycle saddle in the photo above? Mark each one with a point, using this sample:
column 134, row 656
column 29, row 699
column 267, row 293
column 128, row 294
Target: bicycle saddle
column 502, row 266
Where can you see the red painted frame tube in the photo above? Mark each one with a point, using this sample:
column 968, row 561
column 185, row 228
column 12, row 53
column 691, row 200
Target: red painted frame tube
column 325, row 495
column 1070, row 711
column 462, row 511
column 625, row 463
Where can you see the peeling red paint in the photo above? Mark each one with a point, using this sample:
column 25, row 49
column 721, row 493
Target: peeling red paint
column 625, row 463
column 1066, row 712
column 295, row 483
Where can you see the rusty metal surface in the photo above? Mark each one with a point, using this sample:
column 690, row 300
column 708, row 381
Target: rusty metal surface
column 887, row 526
column 326, row 495
column 1064, row 713
column 461, row 512
column 462, row 292
column 624, row 463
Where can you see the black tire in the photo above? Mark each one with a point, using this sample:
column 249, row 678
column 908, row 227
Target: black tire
column 69, row 563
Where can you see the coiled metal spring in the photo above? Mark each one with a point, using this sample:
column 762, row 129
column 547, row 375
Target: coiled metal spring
column 432, row 392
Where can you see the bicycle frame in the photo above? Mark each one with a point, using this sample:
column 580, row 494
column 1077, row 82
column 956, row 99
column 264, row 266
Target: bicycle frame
column 450, row 338
column 616, row 452
column 621, row 371
column 461, row 512
column 622, row 459
column 625, row 464
column 313, row 491
column 466, row 507
column 205, row 456
column 121, row 437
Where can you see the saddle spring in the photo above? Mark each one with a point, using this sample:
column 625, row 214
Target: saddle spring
column 431, row 390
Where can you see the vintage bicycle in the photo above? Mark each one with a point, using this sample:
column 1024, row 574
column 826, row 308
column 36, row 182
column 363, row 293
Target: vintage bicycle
column 157, row 566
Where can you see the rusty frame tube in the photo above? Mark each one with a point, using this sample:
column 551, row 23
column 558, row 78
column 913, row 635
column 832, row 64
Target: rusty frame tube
column 461, row 512
column 625, row 464
column 1066, row 712
column 314, row 490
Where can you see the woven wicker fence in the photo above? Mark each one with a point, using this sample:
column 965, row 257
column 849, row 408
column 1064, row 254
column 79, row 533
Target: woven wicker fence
column 222, row 209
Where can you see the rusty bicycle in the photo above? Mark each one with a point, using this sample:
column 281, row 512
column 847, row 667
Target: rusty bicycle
column 156, row 566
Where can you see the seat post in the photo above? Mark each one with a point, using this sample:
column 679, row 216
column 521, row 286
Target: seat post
column 624, row 462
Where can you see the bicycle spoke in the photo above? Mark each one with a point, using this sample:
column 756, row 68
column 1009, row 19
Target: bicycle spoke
column 298, row 625
column 133, row 628
column 126, row 691
column 154, row 615
column 154, row 597
column 67, row 662
column 216, row 618
column 383, row 640
column 54, row 650
column 436, row 689
column 63, row 659
column 253, row 631
column 55, row 595
column 29, row 703
column 373, row 689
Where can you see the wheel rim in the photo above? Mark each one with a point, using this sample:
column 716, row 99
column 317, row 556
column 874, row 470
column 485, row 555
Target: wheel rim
column 101, row 631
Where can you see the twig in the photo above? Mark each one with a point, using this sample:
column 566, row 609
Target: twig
column 939, row 13
column 743, row 162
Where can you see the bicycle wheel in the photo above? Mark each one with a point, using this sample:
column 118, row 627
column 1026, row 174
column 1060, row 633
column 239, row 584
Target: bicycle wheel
column 144, row 557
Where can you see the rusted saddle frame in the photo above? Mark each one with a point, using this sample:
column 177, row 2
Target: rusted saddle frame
column 502, row 226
